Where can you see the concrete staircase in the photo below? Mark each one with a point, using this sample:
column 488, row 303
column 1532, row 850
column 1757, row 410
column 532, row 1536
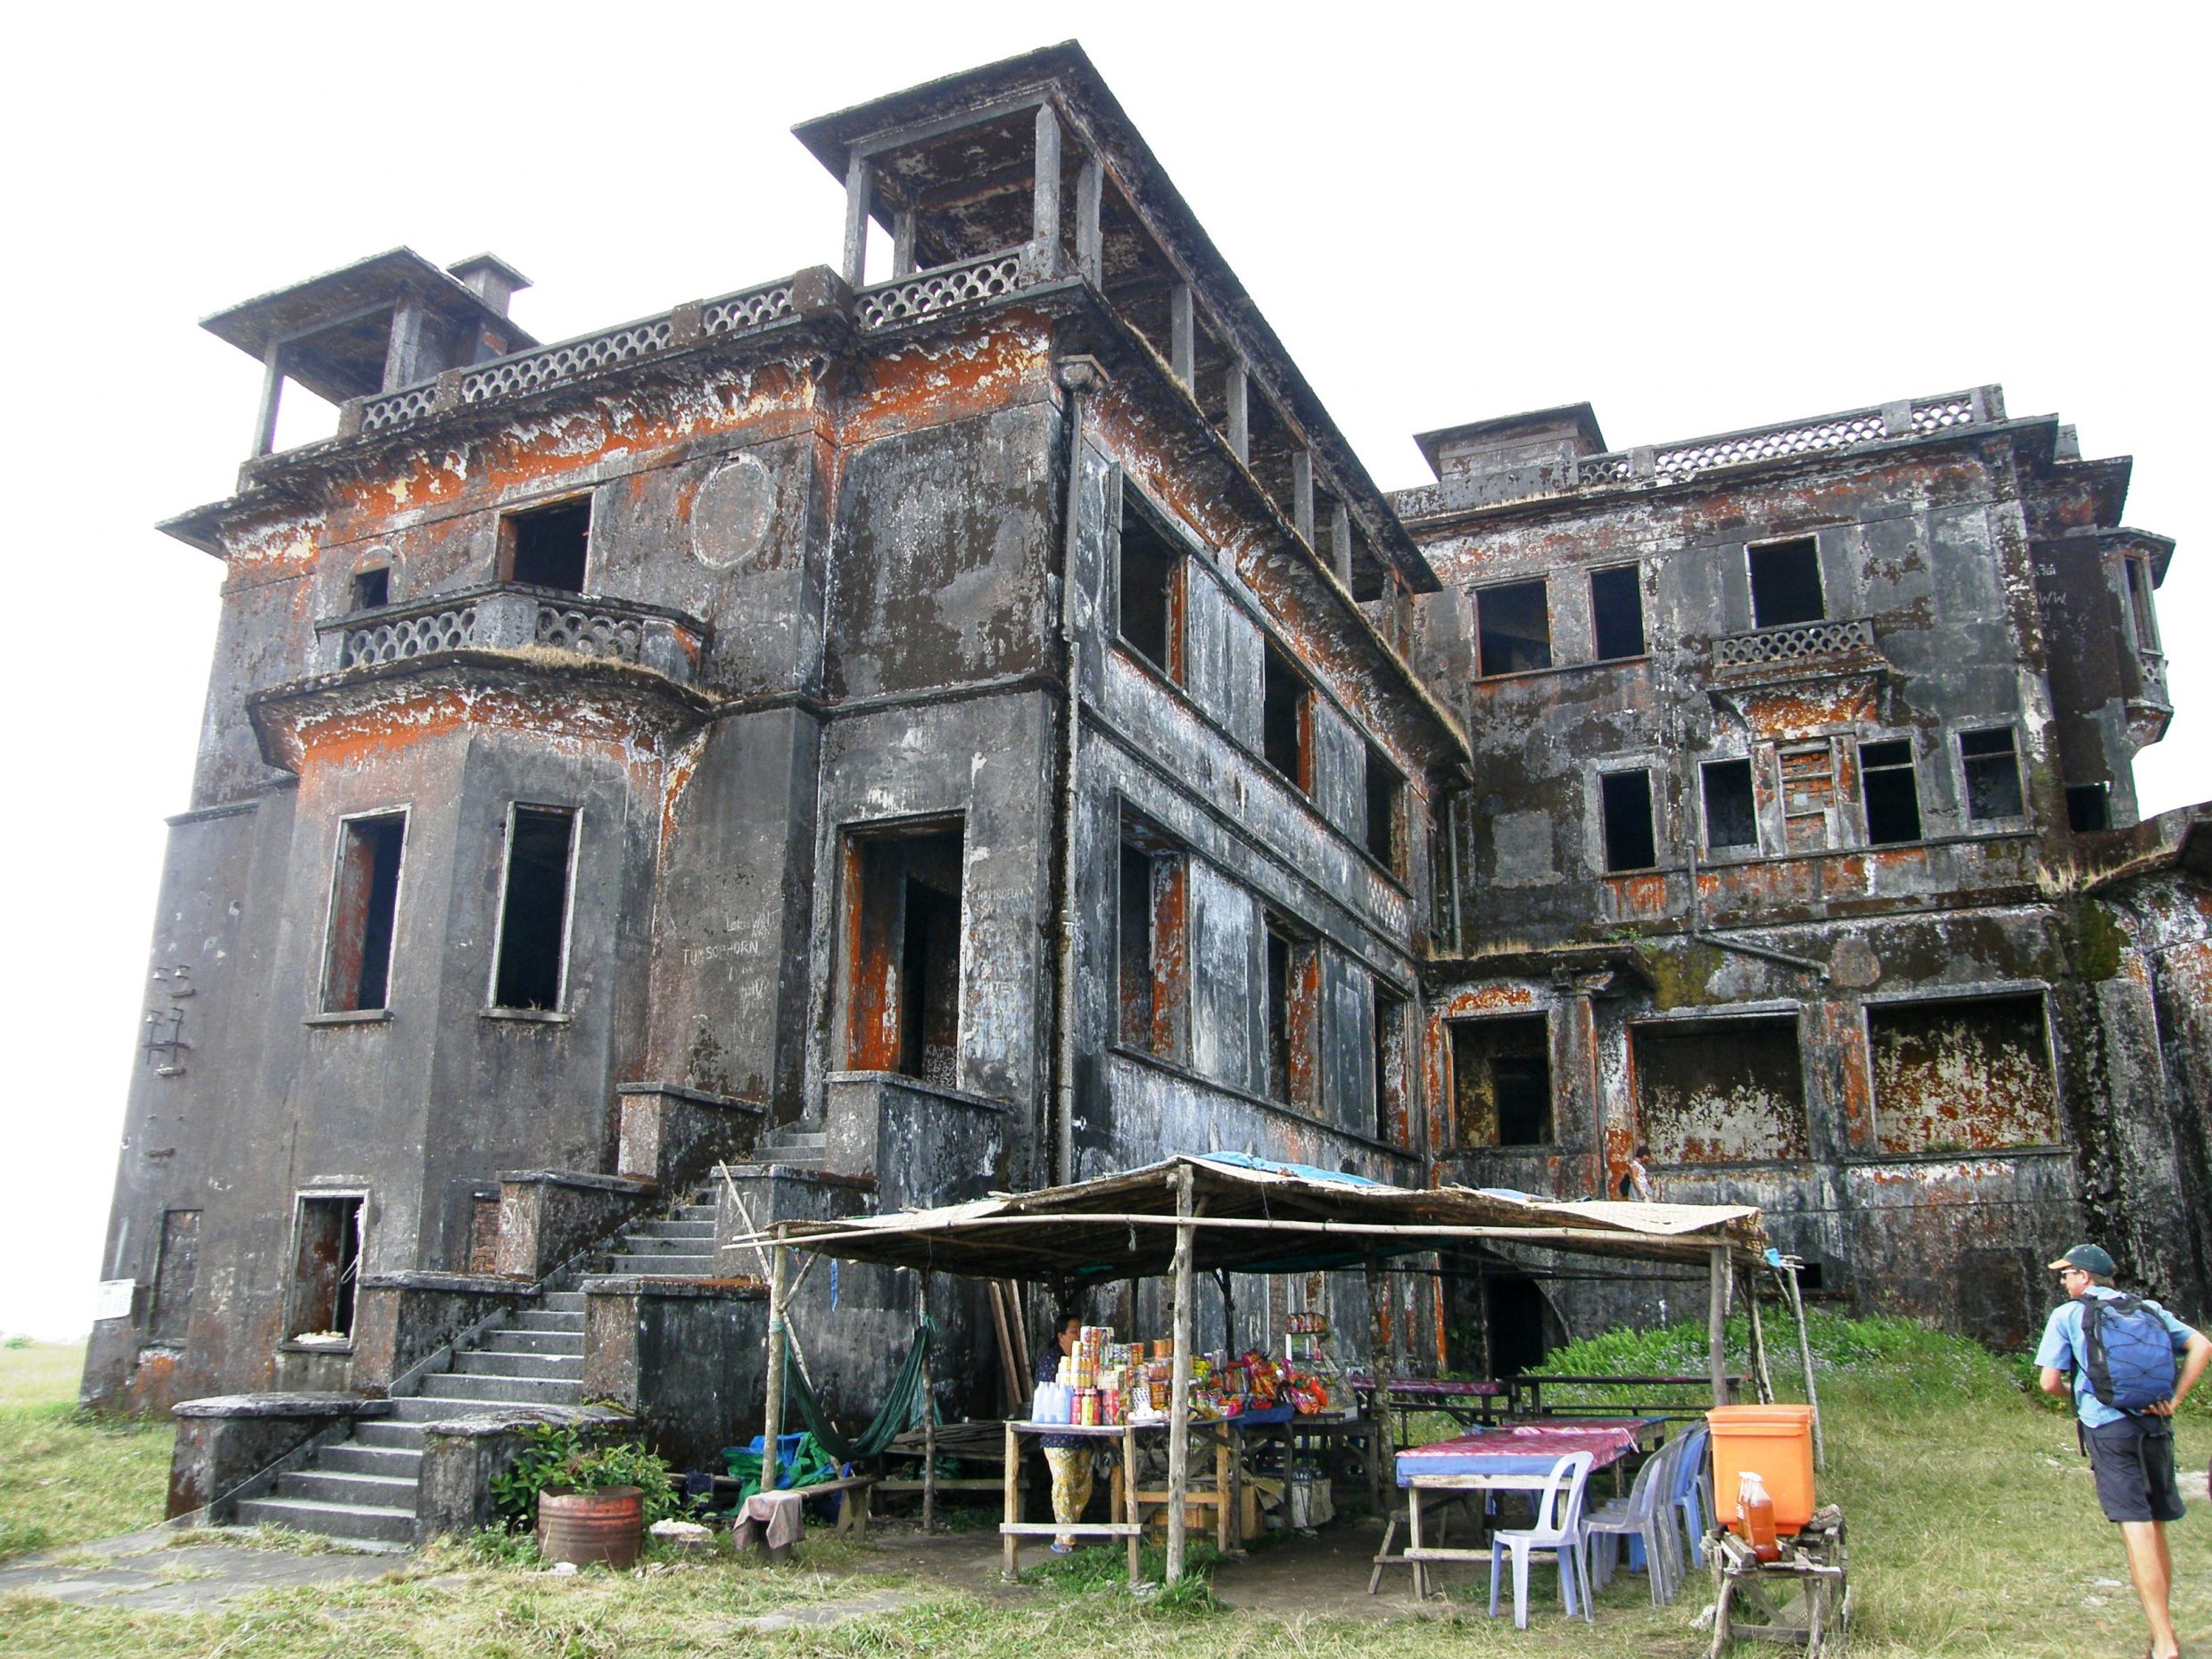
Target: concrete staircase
column 680, row 1246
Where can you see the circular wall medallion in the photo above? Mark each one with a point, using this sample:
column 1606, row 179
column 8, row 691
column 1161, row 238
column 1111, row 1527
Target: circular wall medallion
column 731, row 515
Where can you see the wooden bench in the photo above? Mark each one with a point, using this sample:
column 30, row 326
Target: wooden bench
column 853, row 1515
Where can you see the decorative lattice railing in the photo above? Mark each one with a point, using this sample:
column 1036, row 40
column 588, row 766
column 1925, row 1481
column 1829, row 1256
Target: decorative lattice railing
column 1646, row 468
column 927, row 292
column 509, row 616
column 1797, row 642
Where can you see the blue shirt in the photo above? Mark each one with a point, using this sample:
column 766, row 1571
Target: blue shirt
column 2064, row 1349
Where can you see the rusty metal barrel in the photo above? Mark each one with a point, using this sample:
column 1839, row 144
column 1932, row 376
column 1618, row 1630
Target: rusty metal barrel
column 584, row 1527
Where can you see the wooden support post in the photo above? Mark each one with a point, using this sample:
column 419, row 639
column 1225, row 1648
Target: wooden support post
column 771, row 1425
column 903, row 242
column 929, row 1417
column 1090, row 235
column 1759, row 1370
column 1302, row 494
column 1044, row 200
column 1179, row 1387
column 1716, row 1323
column 1011, row 1488
column 1133, row 1506
column 857, row 181
column 1341, row 542
column 272, row 399
column 1182, row 335
column 1805, row 1358
column 1378, row 1372
column 1239, row 389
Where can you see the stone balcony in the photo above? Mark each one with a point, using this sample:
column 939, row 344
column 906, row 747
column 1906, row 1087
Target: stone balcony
column 511, row 617
column 1839, row 645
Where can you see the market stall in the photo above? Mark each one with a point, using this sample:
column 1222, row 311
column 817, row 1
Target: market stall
column 1223, row 1213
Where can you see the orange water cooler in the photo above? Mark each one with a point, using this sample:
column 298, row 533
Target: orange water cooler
column 1777, row 1441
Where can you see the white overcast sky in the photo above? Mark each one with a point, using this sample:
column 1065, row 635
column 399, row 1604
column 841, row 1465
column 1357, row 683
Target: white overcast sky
column 1696, row 217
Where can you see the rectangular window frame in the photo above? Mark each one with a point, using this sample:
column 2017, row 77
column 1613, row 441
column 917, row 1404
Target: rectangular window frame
column 1635, row 572
column 511, row 523
column 1279, row 668
column 1876, row 1008
column 1388, row 1009
column 1488, row 594
column 1604, row 813
column 1753, row 550
column 1175, row 598
column 1163, row 929
column 2088, row 808
column 1292, row 1062
column 492, row 1004
column 1385, row 785
column 860, row 1049
column 1887, row 770
column 328, row 1006
column 2136, row 586
column 1728, row 849
column 1540, row 1018
column 369, row 588
column 1975, row 766
column 175, row 1282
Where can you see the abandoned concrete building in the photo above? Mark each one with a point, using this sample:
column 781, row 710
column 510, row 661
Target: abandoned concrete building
column 884, row 735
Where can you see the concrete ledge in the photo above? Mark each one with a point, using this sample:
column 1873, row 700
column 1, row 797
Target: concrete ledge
column 462, row 1456
column 581, row 1180
column 547, row 1216
column 304, row 1405
column 671, row 1135
column 459, row 1284
column 634, row 1285
column 231, row 1446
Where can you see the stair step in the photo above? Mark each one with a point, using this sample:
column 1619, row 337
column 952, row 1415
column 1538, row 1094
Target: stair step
column 561, row 1302
column 704, row 1210
column 643, row 1243
column 550, row 1367
column 373, row 1491
column 390, row 1434
column 494, row 1391
column 568, row 1323
column 364, row 1523
column 663, row 1267
column 349, row 1457
column 675, row 1230
column 512, row 1341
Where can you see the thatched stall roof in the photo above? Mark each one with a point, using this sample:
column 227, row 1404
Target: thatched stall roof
column 1253, row 1215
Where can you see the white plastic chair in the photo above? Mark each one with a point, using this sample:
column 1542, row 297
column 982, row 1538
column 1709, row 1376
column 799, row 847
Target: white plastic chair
column 1558, row 1533
column 1645, row 1513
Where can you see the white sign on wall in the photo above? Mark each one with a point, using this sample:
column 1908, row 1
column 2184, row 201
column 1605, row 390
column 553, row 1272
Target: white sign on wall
column 115, row 1298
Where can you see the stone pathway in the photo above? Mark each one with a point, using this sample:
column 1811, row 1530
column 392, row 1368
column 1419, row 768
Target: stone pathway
column 163, row 1570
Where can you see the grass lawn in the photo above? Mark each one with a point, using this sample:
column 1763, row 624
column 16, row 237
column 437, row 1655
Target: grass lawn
column 1973, row 1528
column 63, row 1479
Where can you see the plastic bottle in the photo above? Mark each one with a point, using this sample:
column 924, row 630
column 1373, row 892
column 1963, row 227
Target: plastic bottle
column 1754, row 1512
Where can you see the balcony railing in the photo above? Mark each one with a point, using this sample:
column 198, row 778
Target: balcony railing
column 947, row 286
column 1811, row 644
column 2151, row 668
column 510, row 616
column 1646, row 468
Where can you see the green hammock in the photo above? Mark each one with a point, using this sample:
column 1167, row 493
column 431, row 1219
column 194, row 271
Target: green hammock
column 822, row 1449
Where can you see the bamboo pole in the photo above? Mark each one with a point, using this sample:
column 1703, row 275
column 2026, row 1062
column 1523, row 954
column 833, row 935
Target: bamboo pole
column 1179, row 1387
column 1716, row 1325
column 772, row 1463
column 1758, row 1340
column 1804, row 1355
column 1378, row 1361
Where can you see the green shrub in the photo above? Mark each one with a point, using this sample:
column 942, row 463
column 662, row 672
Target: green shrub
column 558, row 1458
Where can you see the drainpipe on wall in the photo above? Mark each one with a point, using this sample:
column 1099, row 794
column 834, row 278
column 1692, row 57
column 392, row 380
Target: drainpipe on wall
column 1078, row 376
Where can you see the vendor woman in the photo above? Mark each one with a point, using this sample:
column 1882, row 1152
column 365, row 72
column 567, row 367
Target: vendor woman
column 1070, row 1454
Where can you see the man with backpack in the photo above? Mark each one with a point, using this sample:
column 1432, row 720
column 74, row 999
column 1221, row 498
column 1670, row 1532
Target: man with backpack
column 2133, row 1363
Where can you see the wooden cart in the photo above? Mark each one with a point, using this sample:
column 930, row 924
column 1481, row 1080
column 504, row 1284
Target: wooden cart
column 1803, row 1599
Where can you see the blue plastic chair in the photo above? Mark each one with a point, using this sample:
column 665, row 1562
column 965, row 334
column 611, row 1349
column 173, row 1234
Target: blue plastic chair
column 1558, row 1533
column 1687, row 1501
column 1646, row 1516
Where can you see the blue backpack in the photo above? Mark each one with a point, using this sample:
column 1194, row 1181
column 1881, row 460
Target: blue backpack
column 2130, row 1357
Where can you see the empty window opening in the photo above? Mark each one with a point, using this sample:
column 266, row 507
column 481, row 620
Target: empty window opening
column 1293, row 1001
column 1513, row 1320
column 1284, row 717
column 1501, row 1081
column 1957, row 1076
column 1891, row 791
column 546, row 546
column 533, row 908
column 1386, row 795
column 1512, row 629
column 1617, row 612
column 1724, row 1090
column 1625, row 803
column 1786, row 584
column 1993, row 773
column 2139, row 607
column 325, row 1268
column 902, row 953
column 1391, row 1117
column 1153, row 937
column 1731, row 819
column 176, row 1275
column 363, row 906
column 372, row 589
column 1149, row 590
column 2088, row 807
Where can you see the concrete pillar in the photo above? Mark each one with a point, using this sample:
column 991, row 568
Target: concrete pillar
column 1341, row 542
column 903, row 242
column 1090, row 234
column 1239, row 389
column 857, row 183
column 403, row 349
column 1044, row 202
column 1302, row 494
column 1182, row 335
column 272, row 397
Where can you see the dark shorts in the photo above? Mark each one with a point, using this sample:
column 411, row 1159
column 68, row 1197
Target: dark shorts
column 2133, row 1462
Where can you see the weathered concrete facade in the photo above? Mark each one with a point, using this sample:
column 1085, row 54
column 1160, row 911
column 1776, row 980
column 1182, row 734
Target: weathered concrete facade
column 898, row 734
column 1802, row 841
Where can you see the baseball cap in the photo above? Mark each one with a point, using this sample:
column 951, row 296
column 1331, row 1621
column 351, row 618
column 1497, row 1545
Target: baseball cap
column 2089, row 1258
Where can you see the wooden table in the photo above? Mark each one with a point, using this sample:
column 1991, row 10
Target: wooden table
column 1526, row 1394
